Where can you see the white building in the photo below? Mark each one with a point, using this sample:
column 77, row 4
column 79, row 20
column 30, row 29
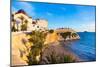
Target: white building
column 21, row 18
column 41, row 24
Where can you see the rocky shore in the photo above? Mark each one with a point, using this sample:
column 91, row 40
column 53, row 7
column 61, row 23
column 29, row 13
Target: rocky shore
column 53, row 51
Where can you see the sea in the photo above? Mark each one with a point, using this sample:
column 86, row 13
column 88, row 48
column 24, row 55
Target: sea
column 85, row 47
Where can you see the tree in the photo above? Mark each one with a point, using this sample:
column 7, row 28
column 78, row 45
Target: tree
column 65, row 34
column 22, row 23
column 51, row 31
column 74, row 34
column 24, row 26
column 37, row 39
column 13, row 26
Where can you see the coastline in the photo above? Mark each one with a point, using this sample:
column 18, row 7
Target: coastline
column 55, row 49
column 58, row 50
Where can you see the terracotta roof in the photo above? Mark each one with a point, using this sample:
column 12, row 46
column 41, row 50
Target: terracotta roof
column 33, row 22
column 21, row 11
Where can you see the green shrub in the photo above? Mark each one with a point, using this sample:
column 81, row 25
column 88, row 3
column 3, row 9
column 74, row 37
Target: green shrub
column 65, row 34
column 37, row 38
column 55, row 58
column 74, row 34
column 68, row 59
column 51, row 31
column 24, row 27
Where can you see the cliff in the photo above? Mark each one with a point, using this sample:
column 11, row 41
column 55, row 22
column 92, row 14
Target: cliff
column 20, row 48
column 67, row 34
column 52, row 51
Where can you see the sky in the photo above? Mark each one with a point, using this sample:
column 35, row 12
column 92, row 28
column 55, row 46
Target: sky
column 78, row 17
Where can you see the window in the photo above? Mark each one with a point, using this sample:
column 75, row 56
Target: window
column 37, row 26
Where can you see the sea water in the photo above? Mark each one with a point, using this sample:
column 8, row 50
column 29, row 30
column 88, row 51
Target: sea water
column 85, row 47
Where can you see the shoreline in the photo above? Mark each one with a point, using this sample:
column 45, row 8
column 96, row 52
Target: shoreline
column 58, row 51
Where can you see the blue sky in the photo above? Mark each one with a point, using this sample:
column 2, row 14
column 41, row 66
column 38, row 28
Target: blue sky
column 78, row 17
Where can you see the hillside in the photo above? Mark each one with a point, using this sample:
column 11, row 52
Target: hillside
column 22, row 47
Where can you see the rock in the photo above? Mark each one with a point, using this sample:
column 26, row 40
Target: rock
column 51, row 37
column 68, row 32
column 55, row 53
column 20, row 48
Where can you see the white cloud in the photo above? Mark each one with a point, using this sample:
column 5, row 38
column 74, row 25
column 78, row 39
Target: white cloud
column 91, row 27
column 87, row 27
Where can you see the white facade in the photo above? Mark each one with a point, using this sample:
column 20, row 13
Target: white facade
column 38, row 24
column 41, row 24
column 18, row 21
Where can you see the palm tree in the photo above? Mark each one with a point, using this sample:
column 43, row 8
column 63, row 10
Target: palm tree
column 24, row 26
column 37, row 38
column 22, row 18
column 26, row 23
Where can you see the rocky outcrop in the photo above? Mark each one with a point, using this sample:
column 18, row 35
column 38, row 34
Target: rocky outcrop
column 67, row 34
column 20, row 48
column 53, row 51
column 51, row 37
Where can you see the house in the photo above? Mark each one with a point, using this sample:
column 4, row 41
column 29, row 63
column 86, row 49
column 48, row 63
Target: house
column 40, row 24
column 22, row 22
